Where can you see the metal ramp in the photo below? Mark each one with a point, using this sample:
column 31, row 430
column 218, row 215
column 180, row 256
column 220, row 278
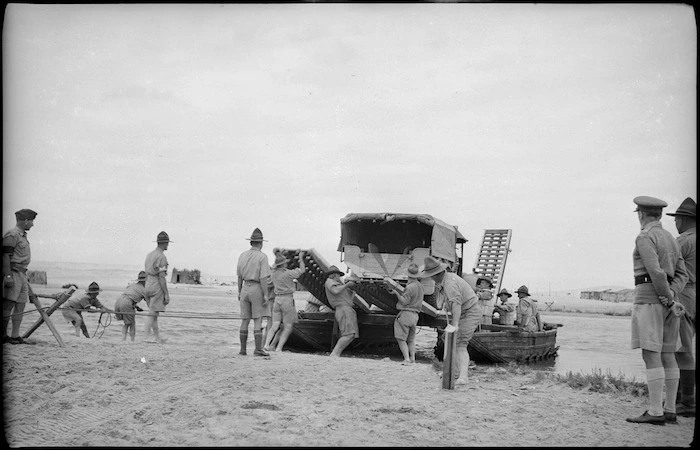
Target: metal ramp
column 491, row 259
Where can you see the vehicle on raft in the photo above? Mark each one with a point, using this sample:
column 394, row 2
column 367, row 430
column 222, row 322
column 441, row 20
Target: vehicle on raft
column 377, row 247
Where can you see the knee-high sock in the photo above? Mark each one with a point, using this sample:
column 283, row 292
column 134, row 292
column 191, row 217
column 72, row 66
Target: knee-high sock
column 672, row 376
column 655, row 382
column 258, row 335
column 244, row 340
column 686, row 387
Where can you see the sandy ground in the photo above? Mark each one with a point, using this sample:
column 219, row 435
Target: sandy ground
column 195, row 390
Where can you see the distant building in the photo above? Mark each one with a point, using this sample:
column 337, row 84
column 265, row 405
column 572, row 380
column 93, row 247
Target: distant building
column 186, row 276
column 608, row 295
column 36, row 277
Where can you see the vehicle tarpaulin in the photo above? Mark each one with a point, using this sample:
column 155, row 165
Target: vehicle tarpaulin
column 443, row 237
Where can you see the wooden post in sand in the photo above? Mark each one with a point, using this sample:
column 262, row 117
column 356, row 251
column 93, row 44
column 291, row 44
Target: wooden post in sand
column 45, row 318
column 448, row 360
column 62, row 298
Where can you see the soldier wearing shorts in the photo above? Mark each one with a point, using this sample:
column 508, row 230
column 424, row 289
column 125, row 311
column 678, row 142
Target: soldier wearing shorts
column 73, row 309
column 462, row 305
column 156, row 285
column 253, row 271
column 16, row 292
column 125, row 307
column 685, row 224
column 283, row 310
column 341, row 298
column 409, row 305
column 659, row 275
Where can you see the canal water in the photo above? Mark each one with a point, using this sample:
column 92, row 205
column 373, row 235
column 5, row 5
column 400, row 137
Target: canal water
column 587, row 343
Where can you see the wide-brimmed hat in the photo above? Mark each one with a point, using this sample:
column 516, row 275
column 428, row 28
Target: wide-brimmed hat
column 413, row 271
column 686, row 209
column 485, row 279
column 163, row 237
column 432, row 267
column 280, row 260
column 332, row 269
column 256, row 236
column 25, row 214
column 504, row 291
column 141, row 276
column 93, row 288
column 523, row 290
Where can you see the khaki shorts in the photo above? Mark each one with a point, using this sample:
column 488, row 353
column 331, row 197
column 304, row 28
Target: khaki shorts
column 252, row 302
column 467, row 325
column 405, row 325
column 655, row 328
column 283, row 309
column 347, row 321
column 19, row 292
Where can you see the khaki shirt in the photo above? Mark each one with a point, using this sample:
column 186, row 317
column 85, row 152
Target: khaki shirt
column 686, row 241
column 283, row 279
column 17, row 239
column 253, row 265
column 84, row 302
column 345, row 298
column 456, row 289
column 657, row 254
column 414, row 296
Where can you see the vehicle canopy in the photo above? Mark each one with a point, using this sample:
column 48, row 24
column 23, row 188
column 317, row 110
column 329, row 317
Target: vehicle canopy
column 400, row 233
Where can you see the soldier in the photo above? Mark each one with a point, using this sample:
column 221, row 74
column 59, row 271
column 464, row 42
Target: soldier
column 685, row 224
column 341, row 297
column 659, row 276
column 73, row 309
column 527, row 312
column 283, row 307
column 156, row 284
column 460, row 300
column 506, row 310
column 409, row 305
column 16, row 291
column 127, row 304
column 483, row 291
column 253, row 272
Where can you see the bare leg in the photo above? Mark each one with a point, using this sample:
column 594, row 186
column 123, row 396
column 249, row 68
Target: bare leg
column 404, row 350
column 283, row 336
column 342, row 343
column 411, row 342
column 7, row 307
column 271, row 332
column 124, row 330
column 147, row 326
column 132, row 331
column 276, row 337
column 154, row 326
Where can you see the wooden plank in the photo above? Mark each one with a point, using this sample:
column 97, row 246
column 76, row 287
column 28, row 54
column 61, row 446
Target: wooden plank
column 448, row 360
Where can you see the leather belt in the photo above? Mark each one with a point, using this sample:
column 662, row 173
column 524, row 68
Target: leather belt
column 641, row 279
column 251, row 281
column 19, row 269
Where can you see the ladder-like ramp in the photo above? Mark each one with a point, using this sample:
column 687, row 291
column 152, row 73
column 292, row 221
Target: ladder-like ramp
column 492, row 256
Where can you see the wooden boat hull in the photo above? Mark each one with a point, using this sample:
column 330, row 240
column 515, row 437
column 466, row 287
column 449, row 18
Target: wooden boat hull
column 494, row 344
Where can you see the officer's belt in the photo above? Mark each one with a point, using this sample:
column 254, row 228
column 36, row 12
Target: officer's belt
column 18, row 268
column 251, row 281
column 641, row 279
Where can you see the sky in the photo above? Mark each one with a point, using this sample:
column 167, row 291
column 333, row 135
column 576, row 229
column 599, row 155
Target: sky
column 207, row 121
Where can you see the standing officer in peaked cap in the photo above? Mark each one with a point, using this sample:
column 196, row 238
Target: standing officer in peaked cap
column 685, row 224
column 156, row 268
column 16, row 291
column 253, row 271
column 659, row 276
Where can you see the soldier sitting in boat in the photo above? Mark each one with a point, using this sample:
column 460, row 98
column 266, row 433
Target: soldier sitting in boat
column 506, row 310
column 483, row 291
column 528, row 314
